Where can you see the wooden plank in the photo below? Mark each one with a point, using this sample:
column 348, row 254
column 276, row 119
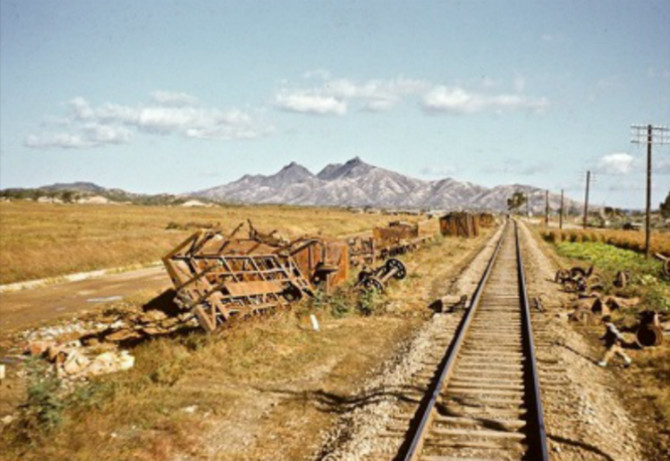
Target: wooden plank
column 253, row 288
column 484, row 433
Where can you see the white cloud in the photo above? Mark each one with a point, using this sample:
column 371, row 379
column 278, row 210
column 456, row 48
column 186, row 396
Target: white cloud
column 61, row 140
column 334, row 96
column 310, row 103
column 167, row 113
column 80, row 108
column 456, row 100
column 107, row 134
column 615, row 163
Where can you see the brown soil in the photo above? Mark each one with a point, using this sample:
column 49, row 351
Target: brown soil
column 30, row 307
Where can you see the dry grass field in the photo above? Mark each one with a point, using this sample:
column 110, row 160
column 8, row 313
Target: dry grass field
column 263, row 389
column 49, row 240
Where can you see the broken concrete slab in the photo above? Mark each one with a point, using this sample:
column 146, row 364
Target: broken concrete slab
column 38, row 348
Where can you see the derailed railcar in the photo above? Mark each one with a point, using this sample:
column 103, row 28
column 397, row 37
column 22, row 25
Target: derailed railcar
column 217, row 276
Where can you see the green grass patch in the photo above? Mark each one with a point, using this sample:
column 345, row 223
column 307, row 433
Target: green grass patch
column 647, row 276
column 610, row 258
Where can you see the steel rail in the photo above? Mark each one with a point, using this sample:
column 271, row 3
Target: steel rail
column 410, row 452
column 537, row 437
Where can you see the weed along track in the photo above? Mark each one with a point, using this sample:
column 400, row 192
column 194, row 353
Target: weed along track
column 482, row 401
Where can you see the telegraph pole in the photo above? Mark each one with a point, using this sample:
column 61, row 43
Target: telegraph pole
column 653, row 135
column 586, row 200
column 528, row 202
column 560, row 218
column 546, row 208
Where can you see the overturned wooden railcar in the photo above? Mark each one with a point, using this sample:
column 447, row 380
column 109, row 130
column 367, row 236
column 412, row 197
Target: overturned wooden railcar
column 460, row 224
column 217, row 276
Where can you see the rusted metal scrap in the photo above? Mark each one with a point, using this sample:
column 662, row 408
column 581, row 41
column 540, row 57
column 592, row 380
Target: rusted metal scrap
column 361, row 250
column 579, row 280
column 217, row 276
column 377, row 278
column 397, row 238
column 649, row 332
column 460, row 224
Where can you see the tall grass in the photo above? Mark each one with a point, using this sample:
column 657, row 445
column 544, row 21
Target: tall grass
column 628, row 240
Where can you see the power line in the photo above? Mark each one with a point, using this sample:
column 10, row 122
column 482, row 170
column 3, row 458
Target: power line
column 651, row 135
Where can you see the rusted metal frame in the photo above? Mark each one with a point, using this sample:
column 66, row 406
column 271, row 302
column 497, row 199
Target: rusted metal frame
column 222, row 260
column 537, row 445
column 167, row 259
column 260, row 273
column 226, row 242
column 198, row 245
column 411, row 450
column 197, row 276
column 211, row 271
column 216, row 289
column 232, row 234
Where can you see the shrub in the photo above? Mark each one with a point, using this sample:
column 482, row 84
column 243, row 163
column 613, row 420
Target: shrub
column 367, row 302
column 43, row 410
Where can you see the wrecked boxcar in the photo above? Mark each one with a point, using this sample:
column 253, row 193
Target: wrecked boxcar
column 217, row 276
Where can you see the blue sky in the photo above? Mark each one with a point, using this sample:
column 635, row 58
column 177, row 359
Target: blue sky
column 158, row 96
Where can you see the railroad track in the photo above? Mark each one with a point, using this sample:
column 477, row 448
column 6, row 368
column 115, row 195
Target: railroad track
column 483, row 402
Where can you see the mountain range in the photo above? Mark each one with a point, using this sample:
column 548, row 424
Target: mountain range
column 353, row 184
column 359, row 184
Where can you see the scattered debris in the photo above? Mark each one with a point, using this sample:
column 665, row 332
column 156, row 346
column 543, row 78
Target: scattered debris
column 621, row 279
column 38, row 348
column 378, row 277
column 649, row 332
column 579, row 280
column 190, row 409
column 3, row 372
column 315, row 322
column 617, row 302
column 450, row 303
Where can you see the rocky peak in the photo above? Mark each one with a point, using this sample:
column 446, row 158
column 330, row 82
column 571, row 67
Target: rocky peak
column 295, row 172
column 352, row 168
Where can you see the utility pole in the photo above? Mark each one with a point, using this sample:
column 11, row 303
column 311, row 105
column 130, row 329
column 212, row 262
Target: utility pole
column 586, row 199
column 528, row 202
column 653, row 135
column 546, row 208
column 560, row 217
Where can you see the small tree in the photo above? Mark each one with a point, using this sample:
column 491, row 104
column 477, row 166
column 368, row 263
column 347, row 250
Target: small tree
column 516, row 201
column 67, row 196
column 665, row 206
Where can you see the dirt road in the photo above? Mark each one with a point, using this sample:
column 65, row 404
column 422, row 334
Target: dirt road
column 30, row 307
